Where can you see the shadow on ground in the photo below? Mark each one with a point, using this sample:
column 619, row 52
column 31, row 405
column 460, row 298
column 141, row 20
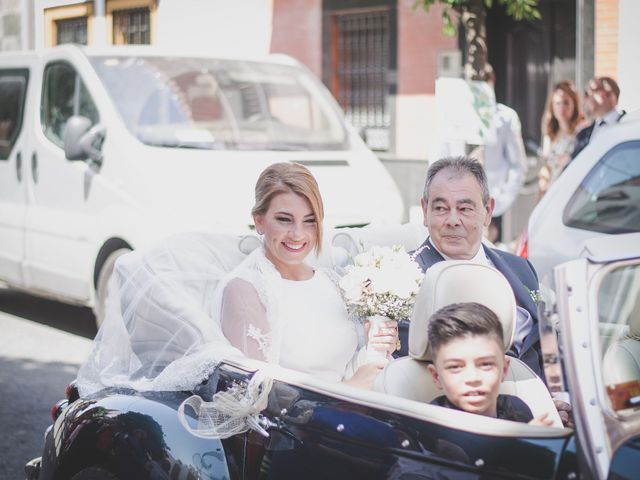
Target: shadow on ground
column 25, row 407
column 71, row 319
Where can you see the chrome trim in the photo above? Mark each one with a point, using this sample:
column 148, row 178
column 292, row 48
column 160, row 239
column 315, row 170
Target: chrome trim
column 571, row 290
column 322, row 163
column 619, row 428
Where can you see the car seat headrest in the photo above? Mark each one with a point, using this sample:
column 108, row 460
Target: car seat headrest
column 459, row 281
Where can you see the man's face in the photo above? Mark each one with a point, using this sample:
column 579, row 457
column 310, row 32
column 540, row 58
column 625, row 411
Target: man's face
column 599, row 98
column 469, row 370
column 455, row 215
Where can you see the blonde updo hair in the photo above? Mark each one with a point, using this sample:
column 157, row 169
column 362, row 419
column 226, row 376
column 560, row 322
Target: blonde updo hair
column 288, row 177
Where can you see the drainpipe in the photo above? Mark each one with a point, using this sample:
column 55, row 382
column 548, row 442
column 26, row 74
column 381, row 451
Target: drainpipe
column 27, row 40
column 99, row 24
column 585, row 42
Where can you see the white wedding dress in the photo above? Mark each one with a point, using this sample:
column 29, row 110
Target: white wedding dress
column 302, row 325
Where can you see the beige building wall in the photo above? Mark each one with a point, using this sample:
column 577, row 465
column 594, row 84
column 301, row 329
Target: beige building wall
column 606, row 44
column 628, row 67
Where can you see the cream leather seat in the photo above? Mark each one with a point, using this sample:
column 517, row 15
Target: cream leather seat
column 621, row 361
column 454, row 282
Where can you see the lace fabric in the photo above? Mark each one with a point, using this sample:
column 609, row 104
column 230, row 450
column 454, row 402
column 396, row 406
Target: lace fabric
column 158, row 332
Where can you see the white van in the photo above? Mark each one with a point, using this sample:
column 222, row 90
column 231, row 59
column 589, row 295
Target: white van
column 104, row 151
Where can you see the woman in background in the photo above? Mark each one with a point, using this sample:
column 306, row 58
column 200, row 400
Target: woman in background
column 560, row 122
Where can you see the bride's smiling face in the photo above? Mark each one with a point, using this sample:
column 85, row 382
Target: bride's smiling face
column 289, row 229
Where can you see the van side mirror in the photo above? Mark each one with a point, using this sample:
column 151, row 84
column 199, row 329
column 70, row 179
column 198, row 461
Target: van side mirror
column 82, row 141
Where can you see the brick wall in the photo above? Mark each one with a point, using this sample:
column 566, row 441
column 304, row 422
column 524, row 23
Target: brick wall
column 420, row 38
column 606, row 48
column 297, row 31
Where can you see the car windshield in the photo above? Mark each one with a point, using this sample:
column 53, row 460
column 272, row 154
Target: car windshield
column 618, row 303
column 221, row 104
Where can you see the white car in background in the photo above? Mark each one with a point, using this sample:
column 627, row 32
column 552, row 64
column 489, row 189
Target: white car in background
column 597, row 195
column 107, row 150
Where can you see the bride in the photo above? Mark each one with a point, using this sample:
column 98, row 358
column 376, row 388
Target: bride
column 276, row 307
column 173, row 312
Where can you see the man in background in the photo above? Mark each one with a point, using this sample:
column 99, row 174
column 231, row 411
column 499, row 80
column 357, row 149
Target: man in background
column 600, row 104
column 504, row 160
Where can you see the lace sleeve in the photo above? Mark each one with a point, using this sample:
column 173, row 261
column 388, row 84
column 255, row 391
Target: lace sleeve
column 244, row 319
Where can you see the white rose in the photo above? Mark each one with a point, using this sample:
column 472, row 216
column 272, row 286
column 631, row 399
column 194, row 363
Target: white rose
column 405, row 287
column 381, row 281
column 352, row 284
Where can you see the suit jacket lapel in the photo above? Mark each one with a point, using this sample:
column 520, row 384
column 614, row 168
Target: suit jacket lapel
column 520, row 291
column 428, row 255
column 522, row 295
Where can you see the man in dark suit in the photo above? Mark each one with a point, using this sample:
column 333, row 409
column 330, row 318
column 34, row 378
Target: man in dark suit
column 601, row 104
column 457, row 207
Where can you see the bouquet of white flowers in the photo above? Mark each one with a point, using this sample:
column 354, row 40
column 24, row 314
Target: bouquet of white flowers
column 382, row 281
column 381, row 285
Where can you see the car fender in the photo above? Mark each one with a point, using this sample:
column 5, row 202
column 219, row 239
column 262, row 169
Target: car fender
column 133, row 435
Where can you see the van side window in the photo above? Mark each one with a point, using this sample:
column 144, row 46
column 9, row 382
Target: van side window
column 13, row 89
column 64, row 94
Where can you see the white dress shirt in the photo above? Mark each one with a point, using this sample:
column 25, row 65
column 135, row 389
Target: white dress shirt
column 611, row 118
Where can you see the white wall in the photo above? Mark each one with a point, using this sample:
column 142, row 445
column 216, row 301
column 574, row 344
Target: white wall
column 628, row 65
column 223, row 27
column 216, row 27
column 415, row 126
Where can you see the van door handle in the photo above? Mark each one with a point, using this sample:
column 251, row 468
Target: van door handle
column 34, row 167
column 19, row 166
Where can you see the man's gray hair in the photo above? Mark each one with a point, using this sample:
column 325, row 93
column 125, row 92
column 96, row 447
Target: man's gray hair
column 461, row 166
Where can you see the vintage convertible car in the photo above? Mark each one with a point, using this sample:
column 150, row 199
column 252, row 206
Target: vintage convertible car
column 320, row 430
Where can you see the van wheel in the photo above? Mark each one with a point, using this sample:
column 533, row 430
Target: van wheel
column 94, row 473
column 99, row 309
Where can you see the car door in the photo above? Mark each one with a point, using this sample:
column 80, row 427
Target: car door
column 599, row 305
column 59, row 220
column 14, row 84
column 357, row 434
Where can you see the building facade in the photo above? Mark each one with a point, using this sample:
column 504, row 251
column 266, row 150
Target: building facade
column 379, row 58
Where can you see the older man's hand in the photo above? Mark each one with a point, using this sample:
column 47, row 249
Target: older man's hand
column 565, row 412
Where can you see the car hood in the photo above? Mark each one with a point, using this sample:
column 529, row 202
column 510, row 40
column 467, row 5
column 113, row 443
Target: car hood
column 203, row 189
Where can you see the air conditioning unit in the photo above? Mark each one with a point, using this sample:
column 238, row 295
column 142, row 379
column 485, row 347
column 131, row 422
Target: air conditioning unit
column 450, row 63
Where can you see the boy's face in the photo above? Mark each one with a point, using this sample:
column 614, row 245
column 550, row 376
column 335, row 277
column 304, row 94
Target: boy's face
column 469, row 370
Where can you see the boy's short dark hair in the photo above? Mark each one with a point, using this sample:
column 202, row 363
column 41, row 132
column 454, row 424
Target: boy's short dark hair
column 460, row 320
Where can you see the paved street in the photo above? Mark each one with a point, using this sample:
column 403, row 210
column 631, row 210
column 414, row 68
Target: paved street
column 41, row 345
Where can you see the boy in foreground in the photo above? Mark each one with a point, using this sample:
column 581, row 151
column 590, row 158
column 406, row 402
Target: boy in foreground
column 469, row 364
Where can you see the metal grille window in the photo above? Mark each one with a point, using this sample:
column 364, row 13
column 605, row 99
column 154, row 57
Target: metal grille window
column 360, row 44
column 132, row 27
column 71, row 30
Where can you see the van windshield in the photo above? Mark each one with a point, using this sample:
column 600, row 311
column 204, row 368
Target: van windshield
column 221, row 104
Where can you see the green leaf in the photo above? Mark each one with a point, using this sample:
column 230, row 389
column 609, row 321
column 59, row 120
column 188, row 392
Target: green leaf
column 447, row 27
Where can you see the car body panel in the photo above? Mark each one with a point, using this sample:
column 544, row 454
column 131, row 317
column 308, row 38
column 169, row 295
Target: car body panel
column 311, row 435
column 552, row 242
column 582, row 287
